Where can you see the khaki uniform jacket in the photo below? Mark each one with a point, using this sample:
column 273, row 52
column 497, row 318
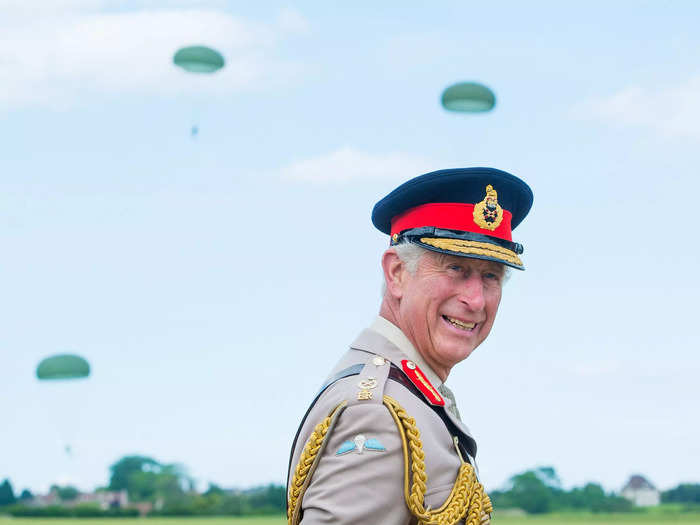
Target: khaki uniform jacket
column 367, row 486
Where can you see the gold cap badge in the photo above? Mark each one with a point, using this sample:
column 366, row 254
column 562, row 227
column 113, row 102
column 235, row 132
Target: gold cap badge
column 488, row 214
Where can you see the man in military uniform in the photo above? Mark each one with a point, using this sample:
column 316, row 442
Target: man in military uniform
column 383, row 442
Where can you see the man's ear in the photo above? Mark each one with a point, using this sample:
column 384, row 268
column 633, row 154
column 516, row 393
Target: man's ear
column 394, row 273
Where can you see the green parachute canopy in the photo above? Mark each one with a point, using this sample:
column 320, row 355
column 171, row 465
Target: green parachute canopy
column 198, row 59
column 468, row 97
column 62, row 366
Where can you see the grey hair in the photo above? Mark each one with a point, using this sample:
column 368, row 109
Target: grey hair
column 410, row 255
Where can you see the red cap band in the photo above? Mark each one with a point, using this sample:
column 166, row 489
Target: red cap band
column 449, row 216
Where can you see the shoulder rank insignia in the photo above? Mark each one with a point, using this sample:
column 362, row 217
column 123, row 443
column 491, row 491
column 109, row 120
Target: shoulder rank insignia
column 418, row 378
column 488, row 214
column 360, row 443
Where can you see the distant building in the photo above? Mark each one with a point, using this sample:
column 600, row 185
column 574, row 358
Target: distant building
column 641, row 492
column 44, row 500
column 104, row 499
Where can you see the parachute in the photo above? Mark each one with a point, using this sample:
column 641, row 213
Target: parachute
column 59, row 397
column 62, row 367
column 469, row 97
column 198, row 59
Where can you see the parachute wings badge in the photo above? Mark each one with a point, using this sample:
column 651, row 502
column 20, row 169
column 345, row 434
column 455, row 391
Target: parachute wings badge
column 360, row 443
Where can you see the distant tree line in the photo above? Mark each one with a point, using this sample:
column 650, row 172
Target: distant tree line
column 683, row 493
column 7, row 494
column 83, row 510
column 539, row 491
column 270, row 499
column 169, row 491
column 172, row 491
column 166, row 488
column 146, row 479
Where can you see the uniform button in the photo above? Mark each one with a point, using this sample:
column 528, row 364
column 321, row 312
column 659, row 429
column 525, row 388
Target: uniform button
column 411, row 365
column 379, row 361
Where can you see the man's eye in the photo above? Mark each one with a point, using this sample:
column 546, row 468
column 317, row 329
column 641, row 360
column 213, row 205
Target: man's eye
column 492, row 276
column 455, row 267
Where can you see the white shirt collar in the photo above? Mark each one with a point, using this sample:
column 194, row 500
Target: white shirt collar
column 394, row 334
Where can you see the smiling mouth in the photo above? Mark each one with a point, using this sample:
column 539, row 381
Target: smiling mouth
column 459, row 324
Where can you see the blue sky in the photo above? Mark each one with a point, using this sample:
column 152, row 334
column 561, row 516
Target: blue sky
column 212, row 282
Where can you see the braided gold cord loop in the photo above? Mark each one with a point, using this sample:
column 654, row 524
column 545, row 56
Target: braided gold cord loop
column 467, row 501
column 306, row 460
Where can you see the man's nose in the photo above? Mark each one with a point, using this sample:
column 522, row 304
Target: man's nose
column 472, row 293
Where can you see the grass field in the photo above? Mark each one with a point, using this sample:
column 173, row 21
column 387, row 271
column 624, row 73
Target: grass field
column 598, row 519
column 549, row 519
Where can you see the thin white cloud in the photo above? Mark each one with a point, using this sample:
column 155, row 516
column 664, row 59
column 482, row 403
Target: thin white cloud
column 292, row 22
column 38, row 8
column 673, row 111
column 44, row 8
column 347, row 164
column 62, row 60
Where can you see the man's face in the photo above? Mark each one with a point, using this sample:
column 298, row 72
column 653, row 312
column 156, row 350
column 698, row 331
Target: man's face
column 448, row 306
